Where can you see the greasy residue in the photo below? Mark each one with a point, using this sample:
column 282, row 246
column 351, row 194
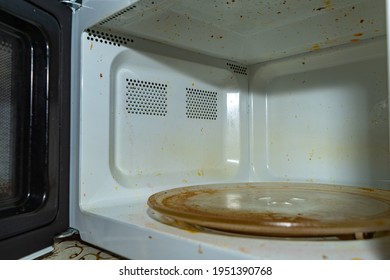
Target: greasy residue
column 367, row 189
column 244, row 250
column 315, row 47
column 327, row 5
column 359, row 34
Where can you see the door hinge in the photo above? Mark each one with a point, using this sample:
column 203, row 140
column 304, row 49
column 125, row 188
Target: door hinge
column 69, row 232
column 73, row 4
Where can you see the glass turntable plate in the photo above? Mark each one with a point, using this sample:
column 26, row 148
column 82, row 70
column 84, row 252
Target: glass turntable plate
column 278, row 209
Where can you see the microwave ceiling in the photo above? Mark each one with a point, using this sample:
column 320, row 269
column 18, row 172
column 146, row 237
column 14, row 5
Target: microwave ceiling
column 251, row 31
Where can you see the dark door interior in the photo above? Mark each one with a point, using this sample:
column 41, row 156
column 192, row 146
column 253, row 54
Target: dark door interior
column 34, row 124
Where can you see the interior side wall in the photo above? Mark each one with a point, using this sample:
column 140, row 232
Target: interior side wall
column 166, row 118
column 322, row 117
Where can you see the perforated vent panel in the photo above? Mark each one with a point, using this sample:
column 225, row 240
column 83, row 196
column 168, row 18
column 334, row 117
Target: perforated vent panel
column 107, row 38
column 201, row 104
column 117, row 15
column 146, row 98
column 239, row 69
column 5, row 117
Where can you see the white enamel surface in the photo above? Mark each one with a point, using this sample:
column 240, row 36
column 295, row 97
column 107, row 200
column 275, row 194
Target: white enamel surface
column 258, row 136
column 128, row 230
column 91, row 13
column 322, row 117
column 157, row 139
column 252, row 31
column 146, row 150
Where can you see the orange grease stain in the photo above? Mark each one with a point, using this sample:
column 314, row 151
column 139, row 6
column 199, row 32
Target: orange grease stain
column 315, row 47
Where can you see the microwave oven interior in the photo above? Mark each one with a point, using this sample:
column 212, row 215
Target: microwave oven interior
column 170, row 93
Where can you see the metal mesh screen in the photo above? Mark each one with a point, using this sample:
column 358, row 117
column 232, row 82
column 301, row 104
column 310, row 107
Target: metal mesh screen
column 5, row 117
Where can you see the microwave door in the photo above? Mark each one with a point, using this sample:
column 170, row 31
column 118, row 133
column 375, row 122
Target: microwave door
column 34, row 124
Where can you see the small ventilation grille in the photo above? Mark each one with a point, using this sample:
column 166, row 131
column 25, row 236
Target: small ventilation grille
column 201, row 104
column 146, row 98
column 118, row 14
column 107, row 38
column 238, row 68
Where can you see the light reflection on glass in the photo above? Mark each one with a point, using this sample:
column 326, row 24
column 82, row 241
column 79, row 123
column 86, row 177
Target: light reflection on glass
column 297, row 199
column 233, row 201
column 270, row 201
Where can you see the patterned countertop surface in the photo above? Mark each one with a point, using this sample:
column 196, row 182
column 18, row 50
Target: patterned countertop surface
column 73, row 248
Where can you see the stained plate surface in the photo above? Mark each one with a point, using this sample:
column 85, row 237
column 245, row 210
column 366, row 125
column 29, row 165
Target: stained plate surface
column 278, row 209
